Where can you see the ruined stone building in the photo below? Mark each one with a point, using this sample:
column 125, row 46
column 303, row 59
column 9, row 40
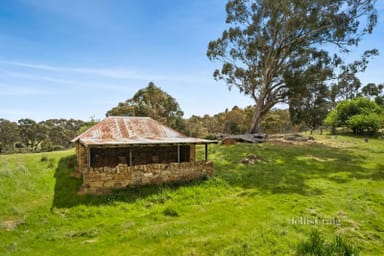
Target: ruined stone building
column 122, row 151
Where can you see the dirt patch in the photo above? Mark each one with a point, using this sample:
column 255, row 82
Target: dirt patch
column 228, row 141
column 298, row 138
column 281, row 142
column 311, row 157
column 290, row 140
column 90, row 241
column 252, row 159
column 334, row 143
column 10, row 225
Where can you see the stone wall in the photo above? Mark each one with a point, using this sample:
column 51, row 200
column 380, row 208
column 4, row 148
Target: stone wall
column 82, row 158
column 103, row 179
column 192, row 153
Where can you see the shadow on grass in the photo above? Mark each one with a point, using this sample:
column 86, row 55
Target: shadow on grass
column 289, row 167
column 67, row 187
column 377, row 174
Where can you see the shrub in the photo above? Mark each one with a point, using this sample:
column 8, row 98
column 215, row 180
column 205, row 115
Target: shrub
column 57, row 148
column 361, row 123
column 359, row 114
column 316, row 245
column 210, row 137
column 170, row 212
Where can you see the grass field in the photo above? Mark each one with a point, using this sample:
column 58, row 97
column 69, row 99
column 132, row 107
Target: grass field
column 334, row 187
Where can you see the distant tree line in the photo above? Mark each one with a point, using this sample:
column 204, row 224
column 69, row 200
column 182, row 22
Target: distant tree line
column 152, row 101
column 312, row 107
column 361, row 111
column 27, row 135
column 237, row 121
column 362, row 114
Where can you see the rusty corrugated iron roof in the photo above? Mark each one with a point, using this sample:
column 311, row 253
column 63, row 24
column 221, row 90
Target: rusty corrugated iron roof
column 123, row 130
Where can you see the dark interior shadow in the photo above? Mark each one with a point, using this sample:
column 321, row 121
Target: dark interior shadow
column 67, row 186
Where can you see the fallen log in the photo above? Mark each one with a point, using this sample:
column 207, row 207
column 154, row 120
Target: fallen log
column 248, row 138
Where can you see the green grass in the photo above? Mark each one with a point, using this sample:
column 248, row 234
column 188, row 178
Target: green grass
column 244, row 210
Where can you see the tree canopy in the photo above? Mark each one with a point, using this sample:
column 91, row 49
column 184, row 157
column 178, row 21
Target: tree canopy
column 29, row 135
column 271, row 42
column 9, row 134
column 311, row 106
column 153, row 102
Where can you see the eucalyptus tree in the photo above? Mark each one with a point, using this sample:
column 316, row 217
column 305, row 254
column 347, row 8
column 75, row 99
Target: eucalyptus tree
column 269, row 42
column 32, row 133
column 9, row 135
column 375, row 91
column 153, row 102
column 348, row 85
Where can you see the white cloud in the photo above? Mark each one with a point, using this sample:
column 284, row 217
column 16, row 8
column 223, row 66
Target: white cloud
column 79, row 83
column 110, row 73
column 113, row 73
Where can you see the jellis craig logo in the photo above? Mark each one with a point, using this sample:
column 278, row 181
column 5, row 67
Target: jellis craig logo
column 302, row 220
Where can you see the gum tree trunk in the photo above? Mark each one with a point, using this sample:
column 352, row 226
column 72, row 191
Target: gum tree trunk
column 256, row 120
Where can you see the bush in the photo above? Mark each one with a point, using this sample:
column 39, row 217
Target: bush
column 49, row 148
column 210, row 137
column 359, row 114
column 370, row 123
column 58, row 147
column 316, row 245
column 170, row 212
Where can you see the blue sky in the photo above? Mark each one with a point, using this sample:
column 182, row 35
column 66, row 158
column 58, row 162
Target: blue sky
column 79, row 58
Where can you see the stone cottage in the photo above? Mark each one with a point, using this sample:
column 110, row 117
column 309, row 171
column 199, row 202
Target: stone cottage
column 121, row 151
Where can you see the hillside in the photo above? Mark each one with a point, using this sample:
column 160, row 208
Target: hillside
column 266, row 205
